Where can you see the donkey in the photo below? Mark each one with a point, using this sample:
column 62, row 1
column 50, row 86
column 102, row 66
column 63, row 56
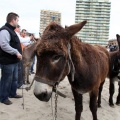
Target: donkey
column 28, row 56
column 59, row 54
column 114, row 74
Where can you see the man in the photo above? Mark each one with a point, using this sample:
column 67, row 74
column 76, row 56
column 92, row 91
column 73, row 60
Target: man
column 23, row 33
column 24, row 40
column 33, row 40
column 10, row 55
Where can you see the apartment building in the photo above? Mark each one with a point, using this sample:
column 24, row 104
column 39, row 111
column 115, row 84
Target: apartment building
column 47, row 16
column 97, row 14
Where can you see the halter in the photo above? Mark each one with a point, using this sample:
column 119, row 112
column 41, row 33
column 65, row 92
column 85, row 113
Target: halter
column 52, row 83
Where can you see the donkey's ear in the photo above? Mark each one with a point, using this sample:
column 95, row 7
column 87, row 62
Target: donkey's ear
column 117, row 35
column 118, row 40
column 73, row 29
column 66, row 26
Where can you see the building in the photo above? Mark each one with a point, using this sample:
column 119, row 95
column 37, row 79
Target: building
column 113, row 41
column 97, row 14
column 47, row 16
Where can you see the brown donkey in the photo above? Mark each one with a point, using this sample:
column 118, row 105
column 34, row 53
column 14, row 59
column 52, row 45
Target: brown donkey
column 28, row 56
column 59, row 54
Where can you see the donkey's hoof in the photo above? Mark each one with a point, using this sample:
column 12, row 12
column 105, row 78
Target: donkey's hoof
column 25, row 82
column 28, row 82
column 27, row 88
column 118, row 103
column 99, row 106
column 112, row 105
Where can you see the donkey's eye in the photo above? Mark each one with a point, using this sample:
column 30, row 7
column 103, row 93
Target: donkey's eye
column 56, row 58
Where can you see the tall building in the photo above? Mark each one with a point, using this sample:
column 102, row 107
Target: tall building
column 47, row 16
column 97, row 14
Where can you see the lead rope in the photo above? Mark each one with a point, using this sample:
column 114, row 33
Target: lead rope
column 52, row 108
column 23, row 97
column 54, row 114
column 27, row 88
column 56, row 100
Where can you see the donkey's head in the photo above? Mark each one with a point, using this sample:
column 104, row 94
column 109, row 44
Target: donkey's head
column 53, row 58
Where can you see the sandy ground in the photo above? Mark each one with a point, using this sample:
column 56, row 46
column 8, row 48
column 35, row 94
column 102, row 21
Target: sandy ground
column 37, row 110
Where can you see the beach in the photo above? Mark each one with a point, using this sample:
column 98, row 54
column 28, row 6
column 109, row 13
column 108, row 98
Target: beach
column 30, row 108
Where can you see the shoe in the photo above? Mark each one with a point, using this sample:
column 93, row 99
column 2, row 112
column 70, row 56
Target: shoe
column 32, row 72
column 16, row 96
column 7, row 102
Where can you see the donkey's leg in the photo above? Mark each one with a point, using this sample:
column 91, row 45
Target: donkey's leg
column 118, row 97
column 24, row 73
column 78, row 104
column 99, row 96
column 111, row 92
column 28, row 82
column 93, row 103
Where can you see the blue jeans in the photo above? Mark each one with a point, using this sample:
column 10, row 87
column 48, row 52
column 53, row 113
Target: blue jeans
column 9, row 79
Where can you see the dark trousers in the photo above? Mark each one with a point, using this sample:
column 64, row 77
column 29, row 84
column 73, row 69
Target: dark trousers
column 8, row 83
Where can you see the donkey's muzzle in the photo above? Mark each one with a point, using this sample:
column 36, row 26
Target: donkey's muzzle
column 43, row 96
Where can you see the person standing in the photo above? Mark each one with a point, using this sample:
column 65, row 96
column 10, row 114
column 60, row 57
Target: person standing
column 23, row 33
column 32, row 40
column 24, row 42
column 10, row 55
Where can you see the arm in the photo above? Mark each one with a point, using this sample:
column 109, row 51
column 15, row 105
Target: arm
column 5, row 43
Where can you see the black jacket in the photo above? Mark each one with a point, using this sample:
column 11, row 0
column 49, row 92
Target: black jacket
column 6, row 58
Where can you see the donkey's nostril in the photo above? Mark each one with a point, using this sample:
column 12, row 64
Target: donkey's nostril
column 118, row 77
column 43, row 95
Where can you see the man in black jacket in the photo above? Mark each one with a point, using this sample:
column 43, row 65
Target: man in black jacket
column 10, row 55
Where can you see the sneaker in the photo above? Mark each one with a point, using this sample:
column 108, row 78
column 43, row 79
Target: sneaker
column 16, row 96
column 7, row 102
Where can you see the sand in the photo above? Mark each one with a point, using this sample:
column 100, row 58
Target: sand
column 37, row 110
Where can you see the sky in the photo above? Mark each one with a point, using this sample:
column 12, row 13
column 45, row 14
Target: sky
column 29, row 13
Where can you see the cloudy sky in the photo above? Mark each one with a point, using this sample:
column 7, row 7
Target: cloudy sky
column 29, row 12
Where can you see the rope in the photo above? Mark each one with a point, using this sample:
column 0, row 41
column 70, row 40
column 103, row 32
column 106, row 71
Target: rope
column 52, row 108
column 54, row 113
column 23, row 96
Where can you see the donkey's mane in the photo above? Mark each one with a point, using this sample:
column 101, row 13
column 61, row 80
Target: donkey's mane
column 53, row 31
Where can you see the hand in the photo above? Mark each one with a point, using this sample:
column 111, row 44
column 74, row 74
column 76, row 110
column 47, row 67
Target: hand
column 19, row 56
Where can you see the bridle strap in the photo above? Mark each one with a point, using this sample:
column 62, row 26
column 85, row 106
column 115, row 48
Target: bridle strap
column 72, row 71
column 38, row 79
